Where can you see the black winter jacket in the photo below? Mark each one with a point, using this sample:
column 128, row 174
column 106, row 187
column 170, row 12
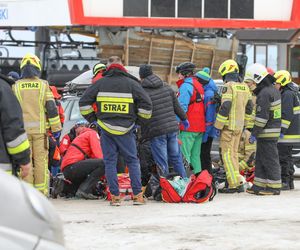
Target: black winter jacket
column 267, row 123
column 165, row 108
column 290, row 118
column 14, row 145
column 120, row 101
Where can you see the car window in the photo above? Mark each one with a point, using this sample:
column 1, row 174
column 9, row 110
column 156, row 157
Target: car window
column 75, row 113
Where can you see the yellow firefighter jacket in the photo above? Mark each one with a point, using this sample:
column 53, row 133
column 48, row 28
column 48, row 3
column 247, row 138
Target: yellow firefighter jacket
column 38, row 105
column 236, row 106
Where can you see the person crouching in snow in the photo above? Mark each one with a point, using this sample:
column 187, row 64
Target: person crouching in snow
column 83, row 164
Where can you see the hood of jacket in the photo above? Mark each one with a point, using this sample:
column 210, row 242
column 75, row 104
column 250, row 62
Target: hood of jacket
column 152, row 82
column 211, row 85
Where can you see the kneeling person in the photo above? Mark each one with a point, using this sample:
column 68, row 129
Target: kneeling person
column 83, row 164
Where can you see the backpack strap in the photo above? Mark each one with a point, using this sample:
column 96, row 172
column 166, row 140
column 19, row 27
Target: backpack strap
column 198, row 95
column 81, row 150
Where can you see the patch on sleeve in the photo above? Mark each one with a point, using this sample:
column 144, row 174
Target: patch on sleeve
column 258, row 109
column 224, row 90
column 65, row 142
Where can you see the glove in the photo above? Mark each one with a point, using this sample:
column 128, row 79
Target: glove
column 185, row 124
column 56, row 135
column 281, row 135
column 252, row 139
column 218, row 132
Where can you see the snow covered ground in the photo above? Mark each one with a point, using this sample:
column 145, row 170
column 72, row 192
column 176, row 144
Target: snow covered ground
column 238, row 221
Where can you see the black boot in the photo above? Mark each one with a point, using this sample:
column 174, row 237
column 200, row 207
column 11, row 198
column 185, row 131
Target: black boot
column 292, row 186
column 285, row 186
column 254, row 189
column 87, row 187
column 227, row 190
column 270, row 191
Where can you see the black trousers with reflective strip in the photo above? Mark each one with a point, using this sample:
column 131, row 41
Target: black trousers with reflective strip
column 267, row 167
column 286, row 162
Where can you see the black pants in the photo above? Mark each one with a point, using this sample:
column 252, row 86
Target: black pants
column 267, row 167
column 205, row 155
column 84, row 175
column 286, row 162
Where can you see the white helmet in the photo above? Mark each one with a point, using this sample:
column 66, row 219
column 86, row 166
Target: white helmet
column 256, row 72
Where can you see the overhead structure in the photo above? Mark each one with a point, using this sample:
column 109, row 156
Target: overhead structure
column 229, row 14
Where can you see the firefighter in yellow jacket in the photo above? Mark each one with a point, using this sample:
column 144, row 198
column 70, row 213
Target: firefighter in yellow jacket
column 246, row 149
column 39, row 109
column 236, row 106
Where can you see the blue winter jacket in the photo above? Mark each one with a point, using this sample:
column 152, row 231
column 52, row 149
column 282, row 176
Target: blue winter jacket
column 210, row 110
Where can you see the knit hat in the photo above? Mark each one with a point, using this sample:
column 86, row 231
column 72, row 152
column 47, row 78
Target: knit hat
column 204, row 74
column 145, row 70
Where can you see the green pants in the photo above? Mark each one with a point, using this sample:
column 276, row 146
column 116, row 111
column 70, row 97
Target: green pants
column 191, row 148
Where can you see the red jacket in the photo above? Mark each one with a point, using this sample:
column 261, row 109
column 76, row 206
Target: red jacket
column 88, row 140
column 191, row 99
column 64, row 144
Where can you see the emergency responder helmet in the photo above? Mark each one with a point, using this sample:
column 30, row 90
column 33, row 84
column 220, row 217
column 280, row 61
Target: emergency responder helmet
column 185, row 68
column 81, row 123
column 282, row 77
column 31, row 59
column 256, row 72
column 229, row 66
column 98, row 67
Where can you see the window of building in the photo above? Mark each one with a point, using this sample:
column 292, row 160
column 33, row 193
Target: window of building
column 216, row 9
column 165, row 8
column 189, row 8
column 294, row 63
column 263, row 54
column 135, row 8
column 242, row 9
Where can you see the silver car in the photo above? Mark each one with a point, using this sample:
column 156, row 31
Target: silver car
column 27, row 219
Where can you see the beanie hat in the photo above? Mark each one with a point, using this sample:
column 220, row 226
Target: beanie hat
column 145, row 70
column 203, row 74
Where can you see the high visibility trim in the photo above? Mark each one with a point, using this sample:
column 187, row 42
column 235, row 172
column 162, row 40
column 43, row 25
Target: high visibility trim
column 114, row 99
column 54, row 121
column 230, row 169
column 86, row 107
column 146, row 114
column 269, row 135
column 290, row 139
column 296, row 110
column 259, row 124
column 248, row 117
column 18, row 149
column 42, row 106
column 262, row 120
column 115, row 94
column 17, row 141
column 6, row 166
column 116, row 130
column 243, row 165
column 271, row 130
column 260, row 184
column 252, row 146
column 271, row 185
column 221, row 118
column 275, row 107
column 276, row 102
column 17, row 92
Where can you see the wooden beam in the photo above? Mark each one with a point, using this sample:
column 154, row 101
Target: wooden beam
column 127, row 48
column 193, row 53
column 150, row 50
column 172, row 61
